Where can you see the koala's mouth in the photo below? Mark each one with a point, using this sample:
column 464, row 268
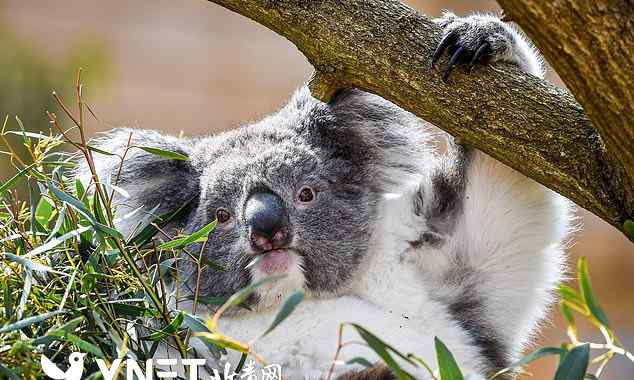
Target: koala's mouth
column 275, row 262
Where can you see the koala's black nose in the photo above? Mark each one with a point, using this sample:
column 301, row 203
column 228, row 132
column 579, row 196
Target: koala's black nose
column 266, row 216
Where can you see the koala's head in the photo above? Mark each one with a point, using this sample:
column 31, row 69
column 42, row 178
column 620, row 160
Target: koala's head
column 295, row 194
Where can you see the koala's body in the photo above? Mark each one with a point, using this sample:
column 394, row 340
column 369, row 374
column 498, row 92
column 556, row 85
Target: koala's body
column 352, row 202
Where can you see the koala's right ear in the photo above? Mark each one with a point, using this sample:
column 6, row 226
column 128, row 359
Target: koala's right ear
column 149, row 180
column 377, row 140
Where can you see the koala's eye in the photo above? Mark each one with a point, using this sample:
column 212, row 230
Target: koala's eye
column 306, row 195
column 222, row 215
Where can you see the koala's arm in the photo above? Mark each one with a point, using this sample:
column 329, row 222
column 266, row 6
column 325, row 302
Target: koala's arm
column 496, row 236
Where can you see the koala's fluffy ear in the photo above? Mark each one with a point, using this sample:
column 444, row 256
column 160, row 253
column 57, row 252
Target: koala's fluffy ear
column 149, row 180
column 367, row 130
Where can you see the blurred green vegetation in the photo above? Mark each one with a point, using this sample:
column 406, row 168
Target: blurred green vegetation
column 28, row 76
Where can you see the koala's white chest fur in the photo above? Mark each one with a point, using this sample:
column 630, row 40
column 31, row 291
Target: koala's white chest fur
column 387, row 297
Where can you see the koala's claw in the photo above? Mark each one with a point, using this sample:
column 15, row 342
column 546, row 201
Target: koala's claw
column 459, row 53
column 483, row 51
column 447, row 40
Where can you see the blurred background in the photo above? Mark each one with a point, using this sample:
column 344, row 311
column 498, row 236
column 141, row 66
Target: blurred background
column 195, row 67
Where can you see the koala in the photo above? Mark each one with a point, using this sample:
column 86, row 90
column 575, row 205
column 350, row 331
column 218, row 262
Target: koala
column 353, row 201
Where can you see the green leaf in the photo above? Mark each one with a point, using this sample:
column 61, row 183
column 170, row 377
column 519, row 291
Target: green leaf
column 131, row 310
column 287, row 308
column 571, row 295
column 186, row 240
column 163, row 153
column 43, row 211
column 240, row 296
column 213, row 265
column 568, row 316
column 29, row 321
column 149, row 230
column 628, row 227
column 69, row 326
column 360, row 361
column 74, row 202
column 108, row 231
column 542, row 352
column 33, row 135
column 56, row 241
column 100, row 151
column 243, row 359
column 83, row 346
column 31, row 264
column 98, row 209
column 8, row 298
column 71, row 282
column 167, row 330
column 59, row 222
column 26, row 291
column 11, row 181
column 80, row 190
column 381, row 348
column 194, row 323
column 79, row 206
column 588, row 296
column 575, row 364
column 197, row 325
column 447, row 365
column 9, row 374
column 211, row 300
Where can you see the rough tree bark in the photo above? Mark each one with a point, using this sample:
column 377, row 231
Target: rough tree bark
column 385, row 47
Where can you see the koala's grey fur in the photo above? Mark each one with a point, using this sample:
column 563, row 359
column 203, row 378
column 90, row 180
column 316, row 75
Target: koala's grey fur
column 352, row 151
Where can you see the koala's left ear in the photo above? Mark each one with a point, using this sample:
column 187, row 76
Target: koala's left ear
column 366, row 131
column 149, row 179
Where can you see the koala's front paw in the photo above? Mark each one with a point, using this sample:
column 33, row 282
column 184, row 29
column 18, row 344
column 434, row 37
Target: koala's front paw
column 480, row 39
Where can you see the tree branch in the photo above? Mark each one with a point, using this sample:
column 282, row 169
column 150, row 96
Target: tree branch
column 385, row 47
column 590, row 44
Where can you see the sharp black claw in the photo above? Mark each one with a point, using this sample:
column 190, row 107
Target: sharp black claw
column 481, row 52
column 453, row 62
column 442, row 46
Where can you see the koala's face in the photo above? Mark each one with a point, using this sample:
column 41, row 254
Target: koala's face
column 294, row 195
column 293, row 207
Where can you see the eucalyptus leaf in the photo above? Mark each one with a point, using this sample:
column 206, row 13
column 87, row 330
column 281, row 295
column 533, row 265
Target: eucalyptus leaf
column 148, row 231
column 535, row 355
column 11, row 181
column 447, row 365
column 9, row 374
column 588, row 295
column 189, row 239
column 163, row 153
column 43, row 211
column 360, row 361
column 32, row 265
column 628, row 227
column 74, row 202
column 56, row 241
column 197, row 325
column 170, row 329
column 287, row 308
column 29, row 321
column 83, row 345
column 381, row 349
column 574, row 364
column 239, row 297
